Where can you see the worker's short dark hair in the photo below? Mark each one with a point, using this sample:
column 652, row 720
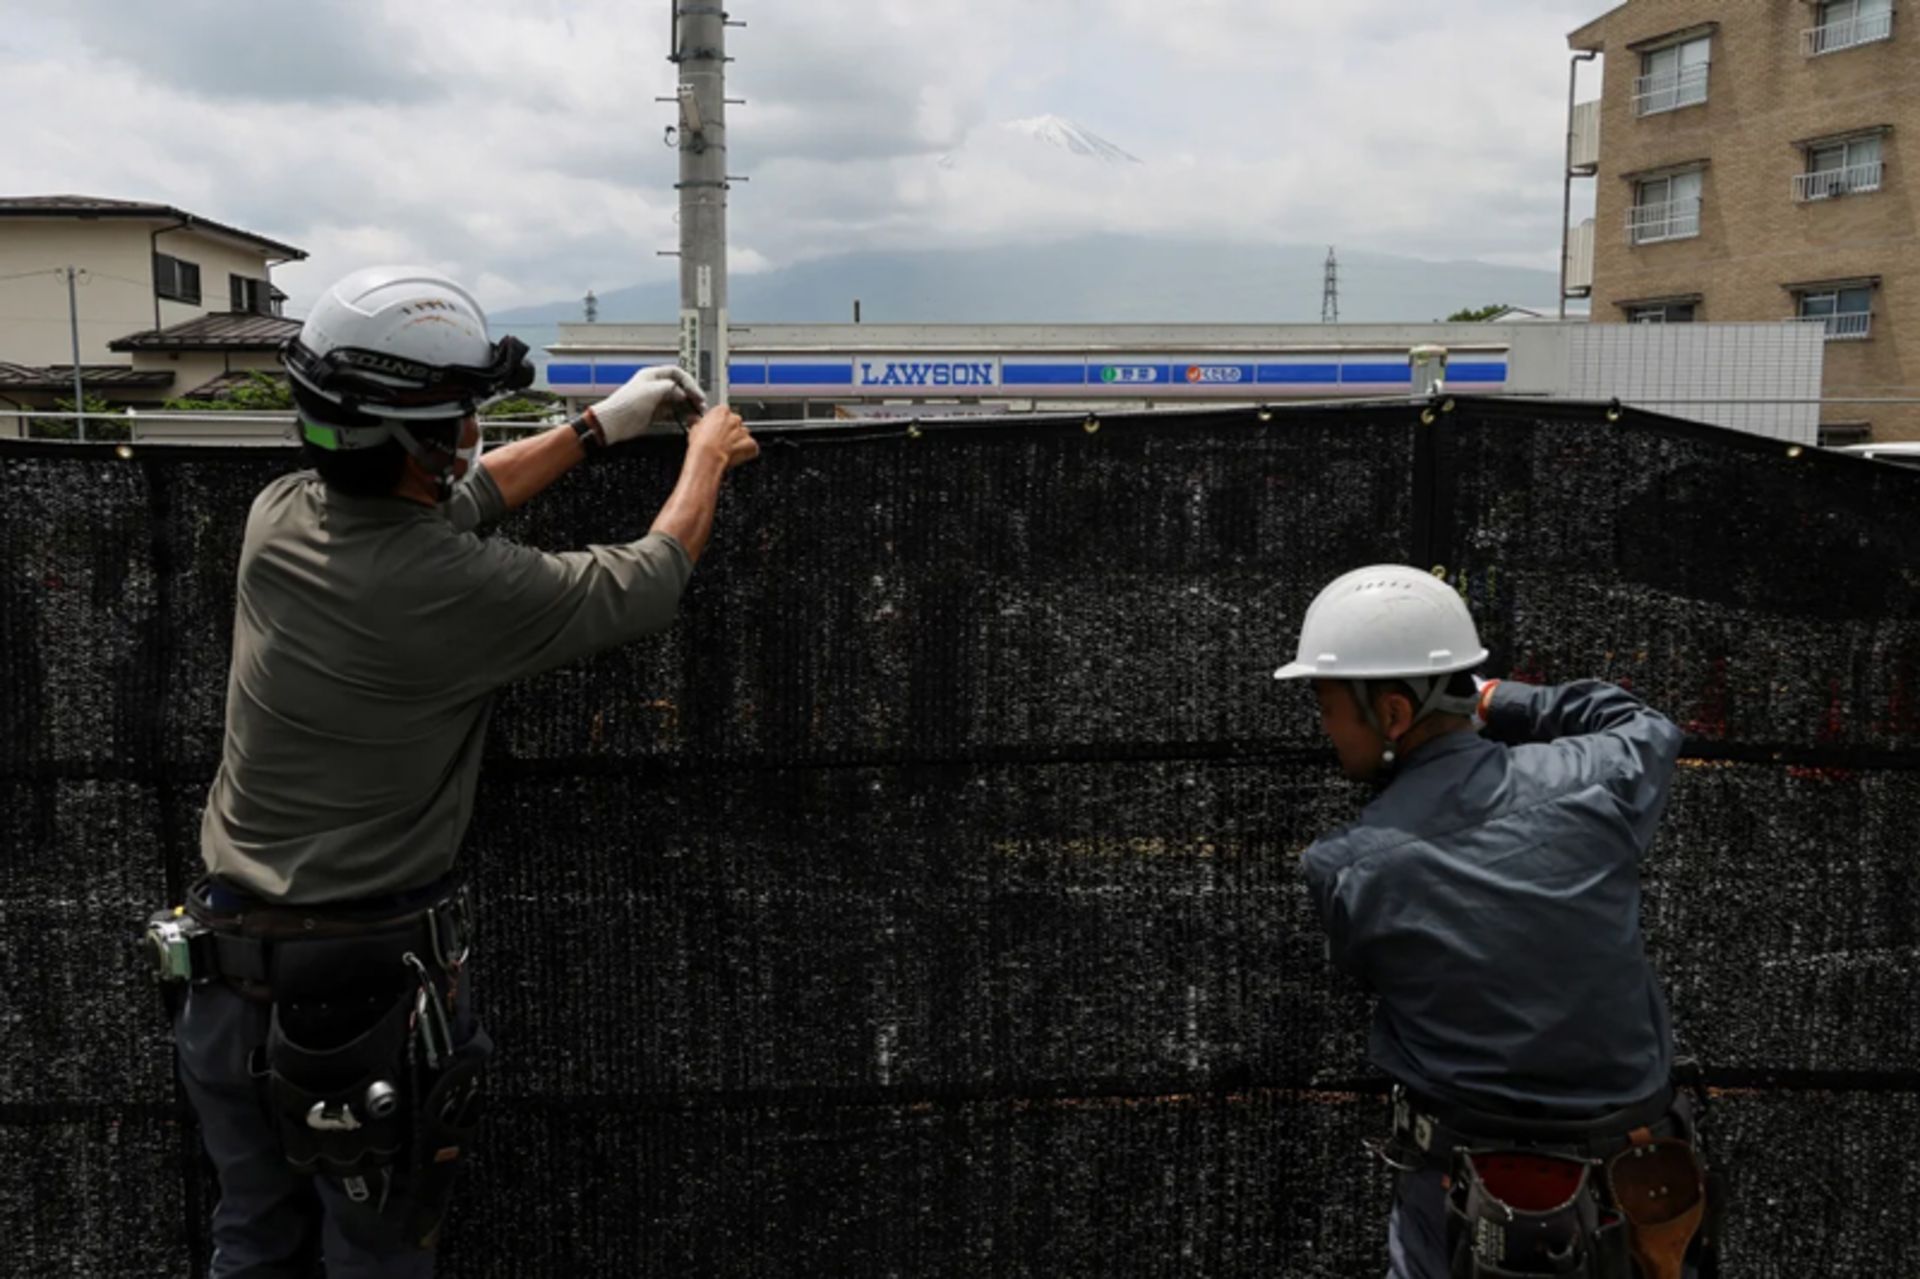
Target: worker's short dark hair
column 373, row 472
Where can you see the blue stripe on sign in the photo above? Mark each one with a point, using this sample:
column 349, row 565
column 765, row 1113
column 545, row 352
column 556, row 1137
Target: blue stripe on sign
column 1377, row 374
column 809, row 375
column 1317, row 373
column 615, row 374
column 1476, row 373
column 1043, row 374
column 569, row 375
column 754, row 374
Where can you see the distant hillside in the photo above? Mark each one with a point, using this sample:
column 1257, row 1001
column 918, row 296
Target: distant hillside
column 1090, row 280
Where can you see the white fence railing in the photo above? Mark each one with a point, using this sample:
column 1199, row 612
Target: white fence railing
column 1846, row 326
column 1846, row 33
column 1672, row 220
column 1670, row 90
column 1828, row 183
column 141, row 427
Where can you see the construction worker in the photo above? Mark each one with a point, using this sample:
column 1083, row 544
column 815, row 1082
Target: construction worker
column 1489, row 898
column 328, row 1039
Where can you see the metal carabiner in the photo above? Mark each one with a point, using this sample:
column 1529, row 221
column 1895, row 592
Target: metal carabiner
column 436, row 1035
column 459, row 923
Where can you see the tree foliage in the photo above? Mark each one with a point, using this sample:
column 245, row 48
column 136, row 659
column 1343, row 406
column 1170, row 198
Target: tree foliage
column 260, row 393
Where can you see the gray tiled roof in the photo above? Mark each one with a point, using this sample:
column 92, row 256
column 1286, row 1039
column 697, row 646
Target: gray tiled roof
column 90, row 206
column 221, row 331
column 59, row 377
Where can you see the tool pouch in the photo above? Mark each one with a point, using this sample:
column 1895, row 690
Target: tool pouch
column 336, row 1082
column 444, row 1125
column 1660, row 1187
column 1514, row 1213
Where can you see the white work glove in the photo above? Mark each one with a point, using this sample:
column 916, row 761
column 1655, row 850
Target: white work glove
column 629, row 411
column 1482, row 690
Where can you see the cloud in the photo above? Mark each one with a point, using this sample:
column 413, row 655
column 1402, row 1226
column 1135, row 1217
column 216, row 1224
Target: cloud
column 519, row 146
column 342, row 51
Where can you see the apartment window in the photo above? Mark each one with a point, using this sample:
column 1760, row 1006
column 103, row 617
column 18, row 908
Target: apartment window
column 176, row 279
column 1672, row 76
column 1661, row 313
column 252, row 296
column 1665, row 208
column 1846, row 310
column 1844, row 24
column 1845, row 167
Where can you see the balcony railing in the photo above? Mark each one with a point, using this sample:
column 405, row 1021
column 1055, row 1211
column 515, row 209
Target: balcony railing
column 1673, row 220
column 1846, row 33
column 1583, row 150
column 1670, row 90
column 1846, row 326
column 1828, row 183
column 1580, row 260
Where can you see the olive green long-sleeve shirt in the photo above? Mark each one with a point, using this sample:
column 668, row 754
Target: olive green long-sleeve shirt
column 368, row 639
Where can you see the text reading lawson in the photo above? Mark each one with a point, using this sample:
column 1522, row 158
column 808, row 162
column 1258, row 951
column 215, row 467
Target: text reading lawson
column 927, row 373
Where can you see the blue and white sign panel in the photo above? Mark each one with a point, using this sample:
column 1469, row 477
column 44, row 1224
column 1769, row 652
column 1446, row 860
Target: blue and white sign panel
column 1023, row 376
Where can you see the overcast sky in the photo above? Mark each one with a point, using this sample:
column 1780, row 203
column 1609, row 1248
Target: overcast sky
column 519, row 146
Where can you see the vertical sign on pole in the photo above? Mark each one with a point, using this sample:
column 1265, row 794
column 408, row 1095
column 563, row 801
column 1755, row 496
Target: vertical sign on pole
column 700, row 52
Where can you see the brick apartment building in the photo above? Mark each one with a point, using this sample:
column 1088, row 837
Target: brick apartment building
column 1759, row 160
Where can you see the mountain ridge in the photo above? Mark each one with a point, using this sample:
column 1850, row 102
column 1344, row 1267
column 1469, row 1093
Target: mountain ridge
column 1086, row 279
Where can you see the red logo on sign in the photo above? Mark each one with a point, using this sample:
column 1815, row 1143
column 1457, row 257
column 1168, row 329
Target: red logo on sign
column 1193, row 373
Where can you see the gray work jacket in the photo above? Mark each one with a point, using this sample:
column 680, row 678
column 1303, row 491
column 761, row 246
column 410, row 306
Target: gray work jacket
column 1490, row 899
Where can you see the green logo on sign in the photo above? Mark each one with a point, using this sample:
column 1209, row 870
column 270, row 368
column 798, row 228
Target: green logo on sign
column 1109, row 373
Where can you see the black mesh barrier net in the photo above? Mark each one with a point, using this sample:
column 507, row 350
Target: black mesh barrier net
column 925, row 902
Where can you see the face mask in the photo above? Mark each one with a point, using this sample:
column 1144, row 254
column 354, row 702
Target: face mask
column 471, row 457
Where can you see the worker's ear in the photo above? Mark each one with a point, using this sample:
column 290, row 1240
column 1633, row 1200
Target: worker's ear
column 1396, row 712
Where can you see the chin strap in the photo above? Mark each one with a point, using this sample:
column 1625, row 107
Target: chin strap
column 436, row 461
column 1431, row 690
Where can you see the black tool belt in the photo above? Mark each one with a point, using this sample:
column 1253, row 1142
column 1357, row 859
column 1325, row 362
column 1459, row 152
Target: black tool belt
column 271, row 951
column 1427, row 1132
column 1608, row 1196
column 368, row 1074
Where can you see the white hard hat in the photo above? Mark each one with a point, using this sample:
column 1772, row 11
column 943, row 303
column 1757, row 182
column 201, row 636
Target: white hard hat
column 1386, row 621
column 403, row 344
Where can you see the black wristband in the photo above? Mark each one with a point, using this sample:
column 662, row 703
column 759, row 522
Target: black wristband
column 588, row 434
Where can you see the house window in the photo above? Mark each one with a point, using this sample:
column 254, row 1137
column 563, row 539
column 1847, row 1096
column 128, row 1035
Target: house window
column 254, row 297
column 1672, row 77
column 1666, row 208
column 176, row 279
column 1846, row 23
column 1846, row 310
column 1846, row 167
column 1661, row 313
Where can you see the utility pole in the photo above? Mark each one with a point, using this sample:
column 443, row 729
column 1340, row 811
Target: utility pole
column 700, row 51
column 592, row 307
column 73, row 323
column 1330, row 291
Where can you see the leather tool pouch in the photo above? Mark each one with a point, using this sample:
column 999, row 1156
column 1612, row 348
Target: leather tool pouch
column 1527, row 1213
column 444, row 1127
column 336, row 1081
column 1660, row 1187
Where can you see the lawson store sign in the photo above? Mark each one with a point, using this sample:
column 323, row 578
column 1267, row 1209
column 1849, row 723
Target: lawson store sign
column 1031, row 376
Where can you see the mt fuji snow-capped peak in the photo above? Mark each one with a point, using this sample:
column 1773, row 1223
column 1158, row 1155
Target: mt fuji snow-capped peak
column 1057, row 131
